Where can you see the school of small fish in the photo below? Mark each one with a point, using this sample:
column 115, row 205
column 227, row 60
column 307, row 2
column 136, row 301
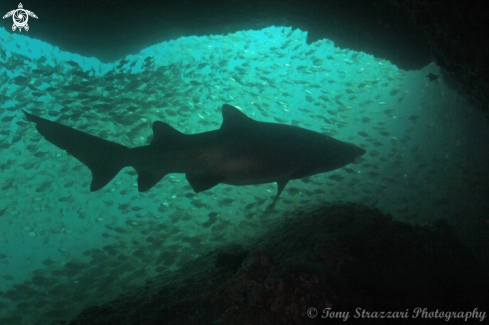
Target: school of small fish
column 63, row 248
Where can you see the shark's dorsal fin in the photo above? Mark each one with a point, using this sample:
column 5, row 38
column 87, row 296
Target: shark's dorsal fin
column 233, row 118
column 162, row 132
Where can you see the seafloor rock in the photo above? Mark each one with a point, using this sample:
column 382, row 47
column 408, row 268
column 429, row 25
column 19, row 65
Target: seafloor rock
column 346, row 257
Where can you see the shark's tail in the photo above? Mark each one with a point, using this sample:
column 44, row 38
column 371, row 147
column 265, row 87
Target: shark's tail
column 104, row 158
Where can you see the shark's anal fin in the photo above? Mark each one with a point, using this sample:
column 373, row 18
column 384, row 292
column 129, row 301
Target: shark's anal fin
column 202, row 181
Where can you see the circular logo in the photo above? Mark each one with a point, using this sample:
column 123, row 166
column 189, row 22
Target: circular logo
column 20, row 17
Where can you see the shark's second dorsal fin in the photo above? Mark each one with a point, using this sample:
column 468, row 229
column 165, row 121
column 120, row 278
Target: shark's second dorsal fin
column 162, row 132
column 233, row 118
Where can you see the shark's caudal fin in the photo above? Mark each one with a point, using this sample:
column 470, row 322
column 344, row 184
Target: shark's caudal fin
column 104, row 158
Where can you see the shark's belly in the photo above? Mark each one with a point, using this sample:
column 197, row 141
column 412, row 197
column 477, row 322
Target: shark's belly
column 247, row 171
column 239, row 163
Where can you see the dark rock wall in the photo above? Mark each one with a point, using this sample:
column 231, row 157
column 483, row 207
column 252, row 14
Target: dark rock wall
column 339, row 256
column 410, row 33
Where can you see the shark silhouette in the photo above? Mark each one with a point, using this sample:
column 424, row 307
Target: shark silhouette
column 242, row 152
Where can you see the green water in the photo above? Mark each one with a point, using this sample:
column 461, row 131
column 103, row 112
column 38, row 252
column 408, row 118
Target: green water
column 63, row 248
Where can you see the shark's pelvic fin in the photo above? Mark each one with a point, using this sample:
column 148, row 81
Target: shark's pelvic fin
column 202, row 181
column 148, row 179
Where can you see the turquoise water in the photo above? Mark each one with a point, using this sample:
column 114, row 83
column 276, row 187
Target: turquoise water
column 63, row 248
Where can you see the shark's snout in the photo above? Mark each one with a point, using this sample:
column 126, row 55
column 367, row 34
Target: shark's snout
column 359, row 152
column 352, row 152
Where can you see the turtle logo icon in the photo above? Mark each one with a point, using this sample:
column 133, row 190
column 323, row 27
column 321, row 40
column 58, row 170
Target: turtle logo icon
column 20, row 17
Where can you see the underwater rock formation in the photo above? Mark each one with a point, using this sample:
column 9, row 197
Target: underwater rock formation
column 345, row 257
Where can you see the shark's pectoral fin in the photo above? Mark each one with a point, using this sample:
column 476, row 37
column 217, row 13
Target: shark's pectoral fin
column 280, row 187
column 201, row 181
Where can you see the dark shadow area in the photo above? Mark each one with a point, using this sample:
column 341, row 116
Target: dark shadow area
column 346, row 257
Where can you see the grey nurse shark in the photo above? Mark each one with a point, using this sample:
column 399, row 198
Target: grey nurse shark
column 242, row 152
